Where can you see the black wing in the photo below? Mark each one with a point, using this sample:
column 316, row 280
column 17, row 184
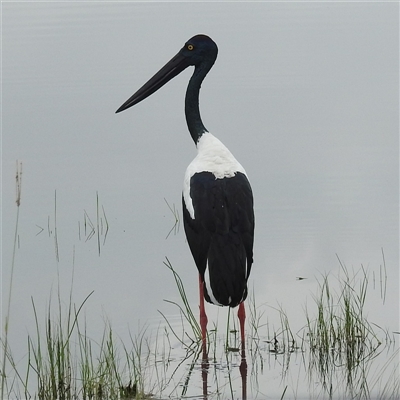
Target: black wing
column 221, row 234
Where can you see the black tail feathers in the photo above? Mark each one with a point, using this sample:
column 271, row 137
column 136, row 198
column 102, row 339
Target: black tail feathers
column 227, row 269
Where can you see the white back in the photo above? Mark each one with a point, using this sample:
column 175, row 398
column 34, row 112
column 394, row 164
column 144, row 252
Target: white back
column 212, row 156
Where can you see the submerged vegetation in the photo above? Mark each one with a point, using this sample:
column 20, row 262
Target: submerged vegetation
column 335, row 349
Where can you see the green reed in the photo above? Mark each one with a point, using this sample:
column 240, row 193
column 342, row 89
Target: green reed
column 68, row 364
column 185, row 309
column 340, row 337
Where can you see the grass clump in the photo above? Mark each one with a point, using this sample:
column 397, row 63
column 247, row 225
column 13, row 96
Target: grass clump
column 340, row 337
column 63, row 359
column 341, row 325
column 65, row 363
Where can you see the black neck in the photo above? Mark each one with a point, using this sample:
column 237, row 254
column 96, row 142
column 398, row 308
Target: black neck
column 192, row 111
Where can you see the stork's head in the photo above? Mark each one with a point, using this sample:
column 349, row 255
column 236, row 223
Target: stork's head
column 199, row 51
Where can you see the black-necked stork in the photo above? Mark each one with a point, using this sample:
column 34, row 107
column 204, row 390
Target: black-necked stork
column 217, row 197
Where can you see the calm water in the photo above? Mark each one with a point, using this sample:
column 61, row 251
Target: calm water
column 305, row 95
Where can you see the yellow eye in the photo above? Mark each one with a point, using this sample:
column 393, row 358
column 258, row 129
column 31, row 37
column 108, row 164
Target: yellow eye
column 190, row 47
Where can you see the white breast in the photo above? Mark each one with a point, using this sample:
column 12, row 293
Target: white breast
column 212, row 156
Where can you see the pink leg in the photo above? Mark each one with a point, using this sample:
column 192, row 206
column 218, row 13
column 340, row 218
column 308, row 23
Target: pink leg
column 203, row 316
column 242, row 316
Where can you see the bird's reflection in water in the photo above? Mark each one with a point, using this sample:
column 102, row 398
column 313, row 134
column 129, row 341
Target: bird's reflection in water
column 204, row 369
column 205, row 366
column 243, row 373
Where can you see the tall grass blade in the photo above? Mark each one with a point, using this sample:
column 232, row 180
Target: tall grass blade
column 18, row 187
column 186, row 309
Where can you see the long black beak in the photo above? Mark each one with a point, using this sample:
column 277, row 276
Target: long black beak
column 173, row 67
